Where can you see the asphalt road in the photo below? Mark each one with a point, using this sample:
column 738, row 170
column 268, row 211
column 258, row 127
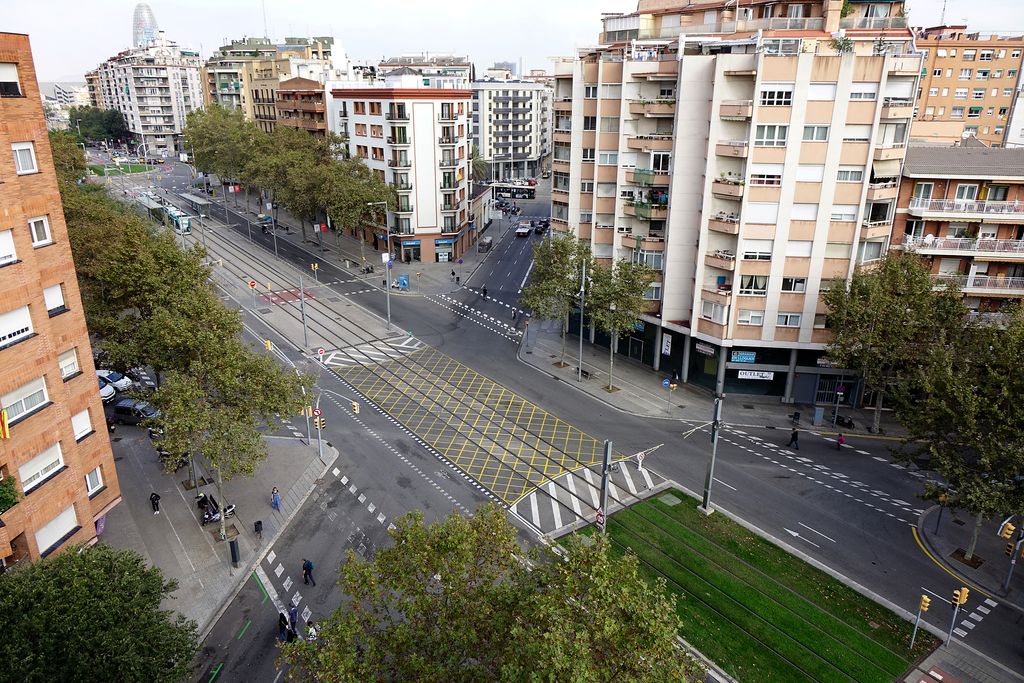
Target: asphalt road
column 851, row 510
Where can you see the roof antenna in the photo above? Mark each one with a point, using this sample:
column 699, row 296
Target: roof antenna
column 942, row 17
column 266, row 34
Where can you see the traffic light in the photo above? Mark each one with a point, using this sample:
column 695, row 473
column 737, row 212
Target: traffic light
column 1006, row 531
column 319, row 422
column 1009, row 549
column 925, row 603
column 268, row 344
column 960, row 596
column 355, row 407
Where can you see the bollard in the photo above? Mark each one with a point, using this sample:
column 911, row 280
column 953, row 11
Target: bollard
column 236, row 557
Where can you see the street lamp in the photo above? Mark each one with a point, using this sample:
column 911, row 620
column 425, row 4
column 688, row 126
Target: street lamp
column 387, row 271
column 583, row 297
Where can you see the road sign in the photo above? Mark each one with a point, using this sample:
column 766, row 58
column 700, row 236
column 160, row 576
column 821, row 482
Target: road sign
column 600, row 518
column 317, row 412
column 640, row 460
column 460, row 262
column 320, row 352
column 665, row 383
column 252, row 284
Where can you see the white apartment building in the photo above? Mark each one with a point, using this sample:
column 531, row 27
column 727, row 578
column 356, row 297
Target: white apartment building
column 750, row 156
column 416, row 137
column 155, row 87
column 436, row 70
column 512, row 127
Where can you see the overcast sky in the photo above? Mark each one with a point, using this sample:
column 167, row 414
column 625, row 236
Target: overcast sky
column 71, row 36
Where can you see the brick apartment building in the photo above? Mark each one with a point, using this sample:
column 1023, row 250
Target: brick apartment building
column 57, row 450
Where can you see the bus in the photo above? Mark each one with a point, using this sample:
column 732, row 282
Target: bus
column 514, row 190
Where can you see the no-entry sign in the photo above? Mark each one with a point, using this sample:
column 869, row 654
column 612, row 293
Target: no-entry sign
column 252, row 284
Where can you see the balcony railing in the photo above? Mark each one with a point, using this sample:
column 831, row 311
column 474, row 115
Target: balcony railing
column 447, row 116
column 741, row 26
column 399, row 141
column 981, row 282
column 448, row 163
column 448, row 140
column 968, row 244
column 399, row 163
column 967, row 207
column 648, row 176
column 407, row 208
column 397, row 116
column 874, row 23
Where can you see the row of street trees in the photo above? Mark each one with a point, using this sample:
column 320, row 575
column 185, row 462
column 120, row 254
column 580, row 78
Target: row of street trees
column 98, row 125
column 311, row 176
column 613, row 295
column 953, row 381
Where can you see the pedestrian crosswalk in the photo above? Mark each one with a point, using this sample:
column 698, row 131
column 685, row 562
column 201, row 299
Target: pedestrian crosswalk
column 572, row 499
column 371, row 353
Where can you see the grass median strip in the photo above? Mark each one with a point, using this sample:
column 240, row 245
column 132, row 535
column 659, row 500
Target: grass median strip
column 759, row 612
column 111, row 169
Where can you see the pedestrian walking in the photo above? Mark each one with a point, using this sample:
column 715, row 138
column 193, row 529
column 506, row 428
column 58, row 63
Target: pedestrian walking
column 293, row 615
column 453, row 276
column 483, row 291
column 258, row 528
column 282, row 627
column 840, row 442
column 275, row 499
column 290, row 636
column 311, row 632
column 794, row 440
column 154, row 500
column 307, row 572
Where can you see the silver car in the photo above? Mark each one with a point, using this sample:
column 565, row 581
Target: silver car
column 119, row 381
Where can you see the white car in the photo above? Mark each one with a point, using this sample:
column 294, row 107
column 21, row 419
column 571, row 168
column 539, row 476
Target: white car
column 119, row 381
column 107, row 392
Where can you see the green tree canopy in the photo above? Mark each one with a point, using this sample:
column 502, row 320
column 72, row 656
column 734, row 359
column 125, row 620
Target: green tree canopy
column 68, row 157
column 457, row 601
column 93, row 614
column 99, row 124
column 554, row 286
column 616, row 300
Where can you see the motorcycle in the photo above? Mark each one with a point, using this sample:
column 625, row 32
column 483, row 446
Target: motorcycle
column 366, row 270
column 211, row 511
column 845, row 422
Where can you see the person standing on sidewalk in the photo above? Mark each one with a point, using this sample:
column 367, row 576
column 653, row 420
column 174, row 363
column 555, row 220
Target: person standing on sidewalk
column 794, row 440
column 275, row 499
column 307, row 572
column 311, row 631
column 282, row 627
column 484, row 291
column 154, row 500
column 840, row 442
column 293, row 615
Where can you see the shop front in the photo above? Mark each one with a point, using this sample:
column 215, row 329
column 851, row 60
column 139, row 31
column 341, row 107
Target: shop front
column 443, row 250
column 409, row 251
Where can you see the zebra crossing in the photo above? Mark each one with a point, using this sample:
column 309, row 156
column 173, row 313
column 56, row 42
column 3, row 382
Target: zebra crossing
column 371, row 353
column 572, row 499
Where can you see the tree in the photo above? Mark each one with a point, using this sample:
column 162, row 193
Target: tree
column 616, row 301
column 478, row 167
column 93, row 613
column 350, row 189
column 554, row 285
column 883, row 319
column 99, row 124
column 456, row 601
column 68, row 158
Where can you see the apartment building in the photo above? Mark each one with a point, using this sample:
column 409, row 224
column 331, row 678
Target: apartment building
column 154, row 87
column 300, row 104
column 961, row 207
column 969, row 82
column 416, row 137
column 512, row 127
column 751, row 156
column 57, row 452
column 228, row 73
column 436, row 70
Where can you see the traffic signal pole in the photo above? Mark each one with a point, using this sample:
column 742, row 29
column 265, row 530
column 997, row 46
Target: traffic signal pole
column 319, row 438
column 606, row 470
column 922, row 606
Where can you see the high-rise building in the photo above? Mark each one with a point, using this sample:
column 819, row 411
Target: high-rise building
column 155, row 87
column 512, row 127
column 55, row 448
column 749, row 154
column 969, row 82
column 144, row 26
column 416, row 137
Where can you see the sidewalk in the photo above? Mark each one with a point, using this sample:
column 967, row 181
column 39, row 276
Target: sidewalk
column 639, row 390
column 175, row 541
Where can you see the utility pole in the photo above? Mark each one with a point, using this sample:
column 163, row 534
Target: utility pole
column 606, row 469
column 716, row 423
column 583, row 297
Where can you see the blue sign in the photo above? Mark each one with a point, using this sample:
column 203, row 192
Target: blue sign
column 460, row 262
column 410, row 243
column 442, row 242
column 665, row 383
column 403, row 282
column 744, row 356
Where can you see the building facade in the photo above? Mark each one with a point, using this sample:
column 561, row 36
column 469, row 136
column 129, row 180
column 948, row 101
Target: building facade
column 962, row 209
column 228, row 74
column 154, row 87
column 512, row 127
column 748, row 156
column 57, row 452
column 415, row 137
column 969, row 83
column 435, row 70
column 300, row 104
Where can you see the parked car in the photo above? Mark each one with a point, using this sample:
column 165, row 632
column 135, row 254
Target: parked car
column 107, row 392
column 546, row 175
column 130, row 411
column 523, row 231
column 119, row 381
column 531, row 181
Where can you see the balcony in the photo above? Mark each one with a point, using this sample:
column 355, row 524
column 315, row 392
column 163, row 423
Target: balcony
column 449, row 116
column 983, row 285
column 965, row 210
column 653, row 108
column 454, row 185
column 402, row 187
column 399, row 163
column 650, row 143
column 720, row 258
column 883, row 190
column 563, row 105
column 897, row 108
column 877, row 228
column 727, row 188
column 988, row 249
column 399, row 142
column 451, row 208
column 646, row 210
column 895, row 150
column 404, row 208
column 736, row 110
column 448, row 141
column 448, row 163
column 720, row 294
column 296, row 105
column 728, row 224
column 873, row 23
column 305, row 124
column 648, row 177
column 397, row 116
column 905, row 66
column 732, row 148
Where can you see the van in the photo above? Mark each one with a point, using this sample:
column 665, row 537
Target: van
column 130, row 411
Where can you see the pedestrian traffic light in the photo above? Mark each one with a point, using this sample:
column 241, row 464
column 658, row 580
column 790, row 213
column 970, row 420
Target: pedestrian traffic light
column 925, row 603
column 355, row 407
column 1006, row 531
column 960, row 596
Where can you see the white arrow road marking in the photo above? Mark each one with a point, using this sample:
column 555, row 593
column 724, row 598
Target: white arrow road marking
column 796, row 534
column 816, row 531
column 523, row 283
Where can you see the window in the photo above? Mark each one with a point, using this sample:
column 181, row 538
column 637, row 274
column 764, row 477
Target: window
column 979, row 94
column 960, row 94
column 612, row 91
column 754, row 285
column 771, row 136
column 933, row 92
column 982, row 74
column 777, row 96
column 758, row 250
column 588, row 154
column 40, row 229
column 608, row 158
column 1007, row 92
column 822, row 91
column 810, row 173
column 50, row 535
column 376, row 131
column 766, row 179
column 1011, row 73
column 25, row 400
column 788, row 320
column 40, row 467
column 590, row 92
column 969, row 55
column 562, row 152
column 850, row 174
column 586, row 186
column 709, row 310
column 589, row 123
column 586, row 217
column 998, row 73
column 653, row 292
column 937, row 73
column 794, row 284
column 820, row 321
column 81, row 424
column 844, row 212
column 68, row 362
column 965, row 74
column 974, row 112
column 653, row 259
column 93, row 481
column 761, row 212
column 609, row 124
column 956, row 113
column 9, row 85
column 838, row 250
column 871, row 250
column 661, row 161
column 1015, row 54
column 375, row 108
column 816, row 133
column 804, row 212
column 7, row 252
column 799, row 248
column 985, row 56
column 854, row 132
column 750, row 317
column 54, row 298
column 864, row 91
column 14, row 326
column 24, row 158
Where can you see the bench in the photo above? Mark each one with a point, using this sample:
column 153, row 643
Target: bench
column 585, row 373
